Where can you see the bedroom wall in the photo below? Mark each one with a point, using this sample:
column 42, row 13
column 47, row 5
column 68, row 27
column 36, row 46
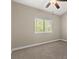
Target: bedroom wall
column 23, row 26
column 64, row 26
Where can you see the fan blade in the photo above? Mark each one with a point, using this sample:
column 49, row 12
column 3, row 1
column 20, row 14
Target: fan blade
column 48, row 5
column 57, row 6
column 61, row 0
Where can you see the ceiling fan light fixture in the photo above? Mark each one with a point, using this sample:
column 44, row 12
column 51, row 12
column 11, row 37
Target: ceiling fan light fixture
column 53, row 1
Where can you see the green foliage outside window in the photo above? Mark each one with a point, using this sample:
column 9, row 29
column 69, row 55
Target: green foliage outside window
column 43, row 25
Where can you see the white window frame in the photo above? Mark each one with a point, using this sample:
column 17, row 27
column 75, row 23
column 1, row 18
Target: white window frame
column 42, row 19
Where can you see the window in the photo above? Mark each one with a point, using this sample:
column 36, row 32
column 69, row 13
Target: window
column 43, row 26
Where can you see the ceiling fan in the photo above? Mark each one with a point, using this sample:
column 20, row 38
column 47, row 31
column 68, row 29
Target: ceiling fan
column 55, row 3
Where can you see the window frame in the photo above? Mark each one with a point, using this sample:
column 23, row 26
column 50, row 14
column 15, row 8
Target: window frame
column 43, row 25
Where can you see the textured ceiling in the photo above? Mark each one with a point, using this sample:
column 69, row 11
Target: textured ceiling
column 40, row 4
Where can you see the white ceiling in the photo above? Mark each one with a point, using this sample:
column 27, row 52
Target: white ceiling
column 40, row 4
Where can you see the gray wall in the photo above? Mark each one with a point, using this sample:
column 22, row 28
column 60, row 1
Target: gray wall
column 64, row 26
column 23, row 25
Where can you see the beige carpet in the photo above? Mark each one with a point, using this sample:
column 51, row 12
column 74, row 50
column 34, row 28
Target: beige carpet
column 55, row 50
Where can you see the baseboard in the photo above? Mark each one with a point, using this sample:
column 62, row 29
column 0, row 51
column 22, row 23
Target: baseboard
column 37, row 44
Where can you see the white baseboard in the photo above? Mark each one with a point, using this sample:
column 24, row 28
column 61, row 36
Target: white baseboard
column 37, row 44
